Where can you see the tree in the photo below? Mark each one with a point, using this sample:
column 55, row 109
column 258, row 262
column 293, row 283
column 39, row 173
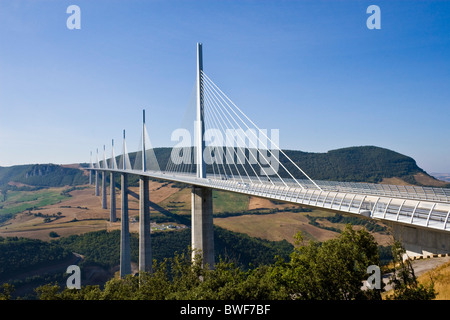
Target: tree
column 332, row 270
column 5, row 291
column 53, row 292
column 404, row 281
column 48, row 292
column 53, row 234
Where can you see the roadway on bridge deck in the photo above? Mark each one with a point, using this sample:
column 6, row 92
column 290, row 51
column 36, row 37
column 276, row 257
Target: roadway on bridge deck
column 428, row 209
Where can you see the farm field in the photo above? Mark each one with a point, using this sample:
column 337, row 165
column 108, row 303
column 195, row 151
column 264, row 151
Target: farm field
column 19, row 201
column 79, row 211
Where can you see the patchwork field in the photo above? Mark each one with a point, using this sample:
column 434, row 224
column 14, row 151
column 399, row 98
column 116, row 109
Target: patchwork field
column 19, row 201
column 275, row 227
column 78, row 213
column 61, row 213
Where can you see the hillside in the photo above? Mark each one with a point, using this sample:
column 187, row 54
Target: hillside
column 357, row 164
column 41, row 175
column 441, row 176
column 28, row 263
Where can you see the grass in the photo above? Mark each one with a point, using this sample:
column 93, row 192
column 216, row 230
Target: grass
column 229, row 202
column 19, row 201
column 276, row 226
column 180, row 202
column 441, row 278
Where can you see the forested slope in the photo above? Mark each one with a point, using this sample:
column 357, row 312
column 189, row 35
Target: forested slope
column 358, row 164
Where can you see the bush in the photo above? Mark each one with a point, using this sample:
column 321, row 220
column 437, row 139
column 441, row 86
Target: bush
column 21, row 255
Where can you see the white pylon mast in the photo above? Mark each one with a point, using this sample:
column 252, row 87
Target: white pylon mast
column 143, row 140
column 123, row 152
column 200, row 124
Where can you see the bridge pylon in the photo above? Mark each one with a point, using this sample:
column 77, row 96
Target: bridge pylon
column 90, row 171
column 112, row 193
column 125, row 250
column 104, row 201
column 202, row 228
column 145, row 249
column 97, row 188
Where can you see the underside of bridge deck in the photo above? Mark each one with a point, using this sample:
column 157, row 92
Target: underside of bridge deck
column 421, row 242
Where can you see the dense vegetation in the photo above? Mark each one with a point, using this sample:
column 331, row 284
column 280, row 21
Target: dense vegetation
column 102, row 248
column 370, row 225
column 332, row 270
column 18, row 255
column 360, row 164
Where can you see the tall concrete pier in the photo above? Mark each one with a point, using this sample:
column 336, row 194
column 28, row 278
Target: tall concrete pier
column 202, row 224
column 201, row 199
column 145, row 249
column 97, row 188
column 125, row 251
column 112, row 196
column 104, row 205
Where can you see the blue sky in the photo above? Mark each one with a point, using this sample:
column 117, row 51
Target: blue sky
column 311, row 69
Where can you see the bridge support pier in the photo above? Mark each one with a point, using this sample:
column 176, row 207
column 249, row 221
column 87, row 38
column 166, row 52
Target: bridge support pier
column 419, row 242
column 112, row 196
column 145, row 249
column 125, row 251
column 202, row 224
column 97, row 189
column 104, row 205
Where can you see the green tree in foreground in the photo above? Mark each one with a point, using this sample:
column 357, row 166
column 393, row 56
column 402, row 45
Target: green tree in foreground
column 5, row 291
column 332, row 270
column 404, row 281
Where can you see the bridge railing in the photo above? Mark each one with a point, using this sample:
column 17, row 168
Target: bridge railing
column 356, row 200
column 407, row 192
column 412, row 211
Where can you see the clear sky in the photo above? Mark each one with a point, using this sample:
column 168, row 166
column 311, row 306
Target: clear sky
column 311, row 69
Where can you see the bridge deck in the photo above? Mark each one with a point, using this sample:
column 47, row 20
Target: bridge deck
column 418, row 206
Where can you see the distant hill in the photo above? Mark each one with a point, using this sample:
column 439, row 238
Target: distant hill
column 357, row 164
column 41, row 175
column 441, row 176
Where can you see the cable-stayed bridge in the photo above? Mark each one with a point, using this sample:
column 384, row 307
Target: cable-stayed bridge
column 227, row 151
